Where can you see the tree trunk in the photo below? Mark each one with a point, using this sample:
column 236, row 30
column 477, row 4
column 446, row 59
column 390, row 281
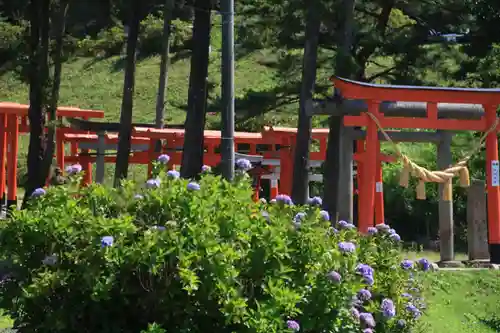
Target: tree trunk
column 38, row 78
column 163, row 80
column 192, row 157
column 301, row 168
column 59, row 28
column 332, row 163
column 124, row 140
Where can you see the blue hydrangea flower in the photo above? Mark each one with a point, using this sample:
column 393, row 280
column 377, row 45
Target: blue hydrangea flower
column 174, row 174
column 163, row 158
column 354, row 313
column 293, row 325
column 413, row 310
column 334, row 277
column 324, row 215
column 38, row 192
column 206, row 169
column 391, row 231
column 367, row 330
column 424, row 264
column 388, row 308
column 372, row 231
column 107, row 241
column 395, row 237
column 406, row 264
column 243, row 164
column 332, row 231
column 284, row 199
column 153, row 183
column 347, row 247
column 193, row 186
column 364, row 295
column 158, row 227
column 367, row 319
column 315, row 201
column 345, row 225
column 73, row 169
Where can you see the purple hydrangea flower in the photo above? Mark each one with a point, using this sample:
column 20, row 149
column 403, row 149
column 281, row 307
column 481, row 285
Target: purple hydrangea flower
column 372, row 231
column 388, row 308
column 153, row 183
column 299, row 217
column 284, row 199
column 406, row 264
column 315, row 201
column 332, row 231
column 158, row 227
column 38, row 193
column 334, row 277
column 367, row 330
column 193, row 186
column 391, row 231
column 367, row 319
column 413, row 310
column 424, row 264
column 367, row 272
column 364, row 295
column 174, row 174
column 73, row 169
column 382, row 227
column 347, row 247
column 395, row 237
column 406, row 295
column 163, row 158
column 345, row 225
column 206, row 169
column 324, row 215
column 293, row 325
column 107, row 241
column 243, row 164
column 354, row 313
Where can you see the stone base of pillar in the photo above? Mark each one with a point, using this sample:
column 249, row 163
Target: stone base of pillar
column 450, row 264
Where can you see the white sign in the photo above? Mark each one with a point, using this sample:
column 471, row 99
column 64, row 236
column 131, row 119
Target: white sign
column 379, row 187
column 495, row 174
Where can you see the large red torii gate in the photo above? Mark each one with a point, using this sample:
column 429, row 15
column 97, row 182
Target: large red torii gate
column 374, row 94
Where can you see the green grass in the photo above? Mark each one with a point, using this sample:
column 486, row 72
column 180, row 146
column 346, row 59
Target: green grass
column 463, row 301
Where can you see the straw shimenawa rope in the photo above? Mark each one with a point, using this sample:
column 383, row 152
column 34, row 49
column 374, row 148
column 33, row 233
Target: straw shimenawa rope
column 427, row 176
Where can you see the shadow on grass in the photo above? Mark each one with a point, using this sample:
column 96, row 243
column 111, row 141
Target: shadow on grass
column 493, row 323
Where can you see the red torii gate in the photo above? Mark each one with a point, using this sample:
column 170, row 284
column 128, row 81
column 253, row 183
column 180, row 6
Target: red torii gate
column 374, row 94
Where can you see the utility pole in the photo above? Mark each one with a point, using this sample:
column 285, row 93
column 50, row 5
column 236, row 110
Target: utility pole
column 227, row 71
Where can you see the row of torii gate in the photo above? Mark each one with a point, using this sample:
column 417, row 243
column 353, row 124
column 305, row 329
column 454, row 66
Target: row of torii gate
column 443, row 109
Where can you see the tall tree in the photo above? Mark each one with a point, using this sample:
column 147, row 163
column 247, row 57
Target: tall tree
column 164, row 63
column 192, row 157
column 44, row 90
column 301, row 164
column 124, row 139
column 333, row 153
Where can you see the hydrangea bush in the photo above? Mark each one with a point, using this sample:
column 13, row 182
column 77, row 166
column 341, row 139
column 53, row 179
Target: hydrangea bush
column 184, row 256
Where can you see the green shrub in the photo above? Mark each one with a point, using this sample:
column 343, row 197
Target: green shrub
column 109, row 42
column 195, row 257
column 11, row 40
column 151, row 35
